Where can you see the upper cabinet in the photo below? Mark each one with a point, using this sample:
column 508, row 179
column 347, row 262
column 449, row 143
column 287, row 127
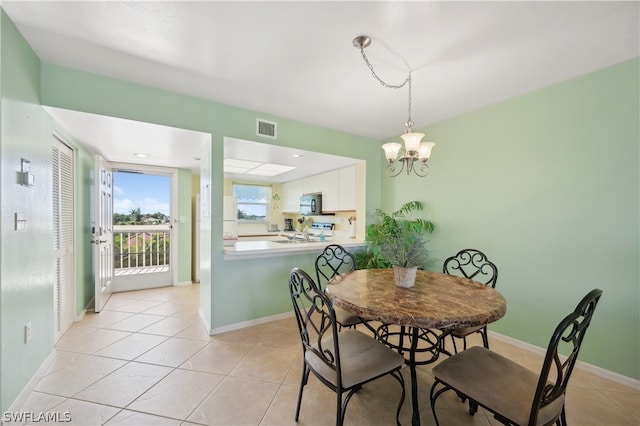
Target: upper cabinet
column 347, row 185
column 291, row 192
column 338, row 188
column 327, row 184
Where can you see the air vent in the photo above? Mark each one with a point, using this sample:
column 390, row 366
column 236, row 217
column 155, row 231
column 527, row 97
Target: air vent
column 266, row 128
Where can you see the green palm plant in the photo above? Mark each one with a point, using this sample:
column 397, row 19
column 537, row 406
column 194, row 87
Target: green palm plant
column 396, row 239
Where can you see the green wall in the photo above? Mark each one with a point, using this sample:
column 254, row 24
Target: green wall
column 26, row 264
column 547, row 185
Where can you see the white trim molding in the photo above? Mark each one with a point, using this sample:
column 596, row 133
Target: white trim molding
column 251, row 323
column 590, row 368
column 17, row 404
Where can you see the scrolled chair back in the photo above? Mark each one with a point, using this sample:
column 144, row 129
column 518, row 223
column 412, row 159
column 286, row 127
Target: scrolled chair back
column 316, row 319
column 334, row 260
column 566, row 339
column 472, row 264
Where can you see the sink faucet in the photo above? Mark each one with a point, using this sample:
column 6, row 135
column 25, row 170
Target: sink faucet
column 300, row 236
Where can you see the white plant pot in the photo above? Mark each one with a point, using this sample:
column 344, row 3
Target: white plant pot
column 405, row 277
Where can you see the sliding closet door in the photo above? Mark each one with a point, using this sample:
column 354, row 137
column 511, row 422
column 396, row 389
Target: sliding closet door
column 63, row 237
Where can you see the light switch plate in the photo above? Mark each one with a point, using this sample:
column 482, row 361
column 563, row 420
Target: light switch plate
column 21, row 220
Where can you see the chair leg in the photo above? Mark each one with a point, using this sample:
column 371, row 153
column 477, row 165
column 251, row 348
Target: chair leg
column 303, row 382
column 340, row 409
column 455, row 347
column 473, row 407
column 342, row 404
column 433, row 395
column 485, row 338
column 562, row 421
column 398, row 376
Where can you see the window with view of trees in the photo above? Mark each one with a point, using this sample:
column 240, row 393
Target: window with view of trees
column 253, row 202
column 141, row 207
column 136, row 217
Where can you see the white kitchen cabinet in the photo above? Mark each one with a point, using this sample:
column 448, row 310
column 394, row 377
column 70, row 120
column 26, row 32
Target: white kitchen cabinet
column 327, row 184
column 347, row 185
column 311, row 184
column 330, row 188
column 291, row 192
column 338, row 188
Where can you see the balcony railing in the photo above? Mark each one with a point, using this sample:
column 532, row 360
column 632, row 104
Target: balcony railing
column 141, row 249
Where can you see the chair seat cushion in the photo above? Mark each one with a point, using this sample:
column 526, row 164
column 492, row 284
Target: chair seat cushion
column 363, row 358
column 345, row 318
column 497, row 383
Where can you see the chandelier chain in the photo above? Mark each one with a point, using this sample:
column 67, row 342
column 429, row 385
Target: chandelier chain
column 387, row 85
column 409, row 122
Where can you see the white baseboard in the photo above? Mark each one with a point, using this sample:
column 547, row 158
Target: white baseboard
column 245, row 324
column 80, row 316
column 183, row 283
column 205, row 321
column 31, row 384
column 598, row 371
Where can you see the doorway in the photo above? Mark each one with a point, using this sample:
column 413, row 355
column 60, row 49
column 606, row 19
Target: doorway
column 144, row 235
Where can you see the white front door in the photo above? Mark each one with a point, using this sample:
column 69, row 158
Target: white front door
column 103, row 232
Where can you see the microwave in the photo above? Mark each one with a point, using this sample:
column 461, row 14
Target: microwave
column 311, row 204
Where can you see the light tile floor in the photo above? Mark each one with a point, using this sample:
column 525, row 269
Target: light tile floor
column 147, row 360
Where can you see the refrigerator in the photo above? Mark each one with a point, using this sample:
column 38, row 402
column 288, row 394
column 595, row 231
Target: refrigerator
column 230, row 220
column 195, row 273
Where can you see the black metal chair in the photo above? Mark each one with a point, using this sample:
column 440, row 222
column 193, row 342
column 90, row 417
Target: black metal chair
column 514, row 394
column 343, row 361
column 335, row 260
column 475, row 265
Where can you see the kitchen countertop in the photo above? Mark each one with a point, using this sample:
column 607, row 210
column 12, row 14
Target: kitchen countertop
column 245, row 249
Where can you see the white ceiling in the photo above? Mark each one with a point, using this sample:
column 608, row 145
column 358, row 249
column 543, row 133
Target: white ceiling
column 296, row 59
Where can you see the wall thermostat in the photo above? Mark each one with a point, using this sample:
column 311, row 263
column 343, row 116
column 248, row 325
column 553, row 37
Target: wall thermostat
column 27, row 178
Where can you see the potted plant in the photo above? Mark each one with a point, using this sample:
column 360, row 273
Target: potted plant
column 399, row 242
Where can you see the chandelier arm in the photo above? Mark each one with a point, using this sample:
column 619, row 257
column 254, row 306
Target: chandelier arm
column 423, row 170
column 395, row 168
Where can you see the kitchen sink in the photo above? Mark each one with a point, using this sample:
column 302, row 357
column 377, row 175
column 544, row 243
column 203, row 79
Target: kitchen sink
column 311, row 240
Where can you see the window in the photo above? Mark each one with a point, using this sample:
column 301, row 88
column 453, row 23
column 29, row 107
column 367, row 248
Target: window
column 253, row 202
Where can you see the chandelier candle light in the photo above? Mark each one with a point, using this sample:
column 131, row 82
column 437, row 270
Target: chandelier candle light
column 401, row 157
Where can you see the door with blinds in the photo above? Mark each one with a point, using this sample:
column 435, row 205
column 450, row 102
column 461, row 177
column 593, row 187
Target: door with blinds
column 63, row 237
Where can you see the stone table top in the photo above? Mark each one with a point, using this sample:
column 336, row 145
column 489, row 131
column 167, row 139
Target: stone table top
column 439, row 301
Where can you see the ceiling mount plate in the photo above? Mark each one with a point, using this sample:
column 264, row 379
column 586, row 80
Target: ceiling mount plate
column 362, row 41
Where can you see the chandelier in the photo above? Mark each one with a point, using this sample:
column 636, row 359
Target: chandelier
column 414, row 154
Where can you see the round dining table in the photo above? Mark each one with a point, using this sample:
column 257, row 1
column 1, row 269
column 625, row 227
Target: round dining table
column 425, row 313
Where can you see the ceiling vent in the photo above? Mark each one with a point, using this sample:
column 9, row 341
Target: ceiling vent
column 266, row 128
